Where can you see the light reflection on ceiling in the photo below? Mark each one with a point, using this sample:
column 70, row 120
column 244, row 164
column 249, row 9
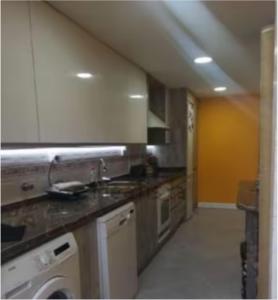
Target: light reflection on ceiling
column 164, row 38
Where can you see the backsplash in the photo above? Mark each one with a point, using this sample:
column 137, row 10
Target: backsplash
column 31, row 167
column 174, row 153
column 169, row 156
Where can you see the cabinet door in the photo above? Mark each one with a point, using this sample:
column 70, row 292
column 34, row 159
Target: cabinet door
column 191, row 134
column 175, row 190
column 152, row 222
column 98, row 109
column 19, row 114
column 178, row 203
column 191, row 153
column 177, row 215
column 189, row 195
column 146, row 216
column 140, row 234
column 86, row 238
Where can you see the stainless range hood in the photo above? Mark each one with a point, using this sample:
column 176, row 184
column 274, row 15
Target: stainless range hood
column 155, row 122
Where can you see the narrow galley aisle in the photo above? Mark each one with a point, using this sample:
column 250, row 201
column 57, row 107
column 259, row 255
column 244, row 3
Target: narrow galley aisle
column 202, row 259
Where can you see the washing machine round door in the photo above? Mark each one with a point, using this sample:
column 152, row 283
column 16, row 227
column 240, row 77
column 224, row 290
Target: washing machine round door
column 56, row 288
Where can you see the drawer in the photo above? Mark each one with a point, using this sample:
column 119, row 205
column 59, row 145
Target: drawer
column 177, row 214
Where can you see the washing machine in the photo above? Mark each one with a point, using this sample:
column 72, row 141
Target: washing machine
column 50, row 271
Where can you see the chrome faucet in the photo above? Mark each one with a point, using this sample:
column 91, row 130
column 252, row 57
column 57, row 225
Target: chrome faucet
column 102, row 168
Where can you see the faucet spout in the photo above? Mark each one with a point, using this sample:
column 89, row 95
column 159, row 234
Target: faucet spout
column 102, row 168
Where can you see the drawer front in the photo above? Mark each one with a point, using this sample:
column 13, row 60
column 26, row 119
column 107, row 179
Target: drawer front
column 177, row 214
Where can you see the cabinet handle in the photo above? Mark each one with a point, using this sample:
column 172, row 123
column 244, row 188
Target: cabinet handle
column 27, row 186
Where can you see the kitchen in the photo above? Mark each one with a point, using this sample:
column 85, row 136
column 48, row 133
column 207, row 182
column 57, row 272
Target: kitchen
column 117, row 180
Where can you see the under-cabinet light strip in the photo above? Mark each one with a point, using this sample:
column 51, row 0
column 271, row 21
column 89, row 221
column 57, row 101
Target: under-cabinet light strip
column 151, row 149
column 50, row 152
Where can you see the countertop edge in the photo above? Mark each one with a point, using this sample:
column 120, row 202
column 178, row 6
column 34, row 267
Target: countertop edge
column 17, row 250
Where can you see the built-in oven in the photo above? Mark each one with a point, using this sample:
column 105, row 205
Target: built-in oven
column 163, row 212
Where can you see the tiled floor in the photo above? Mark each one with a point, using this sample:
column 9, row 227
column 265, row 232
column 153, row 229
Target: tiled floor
column 200, row 261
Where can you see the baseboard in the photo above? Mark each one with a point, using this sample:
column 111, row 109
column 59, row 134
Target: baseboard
column 217, row 205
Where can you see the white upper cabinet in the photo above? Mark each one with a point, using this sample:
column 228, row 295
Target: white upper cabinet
column 19, row 114
column 98, row 109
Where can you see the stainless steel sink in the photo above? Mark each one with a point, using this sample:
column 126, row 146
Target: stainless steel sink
column 117, row 187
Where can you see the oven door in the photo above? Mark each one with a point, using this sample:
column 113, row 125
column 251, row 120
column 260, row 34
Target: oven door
column 164, row 216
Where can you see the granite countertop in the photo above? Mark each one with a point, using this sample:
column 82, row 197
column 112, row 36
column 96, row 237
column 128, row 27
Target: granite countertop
column 247, row 198
column 46, row 218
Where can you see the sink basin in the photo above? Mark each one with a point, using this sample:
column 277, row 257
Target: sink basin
column 117, row 187
column 121, row 182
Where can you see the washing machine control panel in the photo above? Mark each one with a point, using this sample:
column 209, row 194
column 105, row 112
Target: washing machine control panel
column 44, row 259
column 20, row 272
column 52, row 255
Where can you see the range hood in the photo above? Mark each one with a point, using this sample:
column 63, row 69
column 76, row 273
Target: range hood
column 155, row 122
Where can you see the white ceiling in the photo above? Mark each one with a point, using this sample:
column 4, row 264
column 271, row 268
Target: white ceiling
column 163, row 37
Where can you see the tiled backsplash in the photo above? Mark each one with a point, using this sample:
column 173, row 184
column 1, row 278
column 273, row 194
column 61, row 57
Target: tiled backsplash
column 32, row 168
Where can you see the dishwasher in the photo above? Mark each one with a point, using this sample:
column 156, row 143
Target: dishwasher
column 116, row 235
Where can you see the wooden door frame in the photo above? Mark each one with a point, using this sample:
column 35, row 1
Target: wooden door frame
column 267, row 257
column 274, row 249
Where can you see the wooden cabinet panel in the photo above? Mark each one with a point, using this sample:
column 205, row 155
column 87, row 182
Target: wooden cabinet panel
column 146, row 216
column 157, row 97
column 76, row 110
column 191, row 134
column 19, row 113
column 191, row 153
column 177, row 215
column 86, row 238
column 178, row 201
column 140, row 234
column 152, row 208
column 189, row 195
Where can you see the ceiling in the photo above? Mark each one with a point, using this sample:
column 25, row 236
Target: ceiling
column 164, row 37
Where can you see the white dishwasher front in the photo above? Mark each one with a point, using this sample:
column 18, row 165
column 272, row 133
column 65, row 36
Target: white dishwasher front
column 116, row 232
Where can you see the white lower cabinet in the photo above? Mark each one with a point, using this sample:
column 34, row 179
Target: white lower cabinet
column 72, row 109
column 116, row 233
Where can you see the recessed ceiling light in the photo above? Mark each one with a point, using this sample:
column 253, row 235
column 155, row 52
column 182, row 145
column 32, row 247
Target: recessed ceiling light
column 203, row 60
column 136, row 96
column 220, row 89
column 84, row 75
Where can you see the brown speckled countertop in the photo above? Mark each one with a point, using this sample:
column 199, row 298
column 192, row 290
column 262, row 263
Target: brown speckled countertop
column 247, row 198
column 47, row 218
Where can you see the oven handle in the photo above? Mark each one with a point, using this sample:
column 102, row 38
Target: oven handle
column 165, row 195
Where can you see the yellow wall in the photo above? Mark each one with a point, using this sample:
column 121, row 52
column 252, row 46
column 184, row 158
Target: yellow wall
column 227, row 146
